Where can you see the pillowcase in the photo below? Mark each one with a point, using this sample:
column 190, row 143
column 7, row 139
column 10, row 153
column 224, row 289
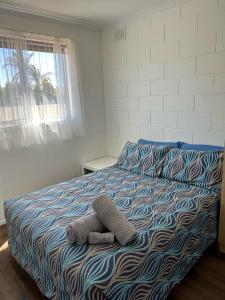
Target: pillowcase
column 143, row 159
column 172, row 144
column 200, row 147
column 125, row 158
column 202, row 169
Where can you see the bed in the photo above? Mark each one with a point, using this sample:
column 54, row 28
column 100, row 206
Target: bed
column 176, row 222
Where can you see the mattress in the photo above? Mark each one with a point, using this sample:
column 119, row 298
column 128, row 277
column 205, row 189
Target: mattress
column 176, row 224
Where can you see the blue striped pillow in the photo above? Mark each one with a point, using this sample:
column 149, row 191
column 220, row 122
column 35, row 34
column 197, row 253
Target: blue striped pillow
column 143, row 159
column 202, row 169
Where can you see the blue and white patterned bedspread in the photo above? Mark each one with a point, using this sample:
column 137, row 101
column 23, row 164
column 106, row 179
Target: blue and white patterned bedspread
column 176, row 224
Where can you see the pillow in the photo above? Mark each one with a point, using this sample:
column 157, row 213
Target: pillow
column 172, row 144
column 200, row 147
column 143, row 159
column 202, row 169
column 126, row 158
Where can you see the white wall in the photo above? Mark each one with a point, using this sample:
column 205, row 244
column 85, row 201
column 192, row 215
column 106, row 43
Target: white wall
column 25, row 170
column 166, row 81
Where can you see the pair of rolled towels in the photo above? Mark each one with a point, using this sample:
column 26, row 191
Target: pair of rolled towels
column 92, row 228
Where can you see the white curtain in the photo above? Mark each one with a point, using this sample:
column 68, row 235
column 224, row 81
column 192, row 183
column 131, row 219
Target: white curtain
column 40, row 90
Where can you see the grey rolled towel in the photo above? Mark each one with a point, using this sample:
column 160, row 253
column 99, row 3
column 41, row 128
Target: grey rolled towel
column 77, row 231
column 100, row 238
column 114, row 220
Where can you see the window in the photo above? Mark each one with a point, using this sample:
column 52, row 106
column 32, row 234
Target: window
column 40, row 93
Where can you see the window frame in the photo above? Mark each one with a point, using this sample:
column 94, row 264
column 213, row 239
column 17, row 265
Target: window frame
column 43, row 44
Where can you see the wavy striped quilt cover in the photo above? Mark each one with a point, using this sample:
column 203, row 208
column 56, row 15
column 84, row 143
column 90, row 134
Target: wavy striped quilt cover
column 176, row 224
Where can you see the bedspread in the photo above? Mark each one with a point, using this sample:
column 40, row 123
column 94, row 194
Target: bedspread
column 176, row 223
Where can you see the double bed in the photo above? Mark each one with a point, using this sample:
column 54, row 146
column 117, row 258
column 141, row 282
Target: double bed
column 176, row 223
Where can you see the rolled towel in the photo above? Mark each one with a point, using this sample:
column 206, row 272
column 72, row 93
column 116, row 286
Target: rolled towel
column 77, row 231
column 113, row 219
column 100, row 238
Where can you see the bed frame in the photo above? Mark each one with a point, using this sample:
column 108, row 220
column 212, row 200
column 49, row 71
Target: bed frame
column 221, row 237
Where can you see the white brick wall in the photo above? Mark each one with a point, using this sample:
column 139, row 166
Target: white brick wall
column 198, row 44
column 215, row 137
column 194, row 120
column 211, row 63
column 138, row 56
column 117, row 89
column 151, row 71
column 214, row 19
column 198, row 7
column 181, row 67
column 166, row 81
column 139, row 118
column 220, row 43
column 218, row 121
column 182, row 27
column 164, row 51
column 177, row 135
column 210, row 103
column 123, row 74
column 139, row 88
column 219, row 86
column 164, row 87
column 153, row 103
column 129, row 103
column 179, row 103
column 202, row 84
column 164, row 119
column 149, row 132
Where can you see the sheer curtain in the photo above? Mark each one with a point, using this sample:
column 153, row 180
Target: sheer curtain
column 40, row 90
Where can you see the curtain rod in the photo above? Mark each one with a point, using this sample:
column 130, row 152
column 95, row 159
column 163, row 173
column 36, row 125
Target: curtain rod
column 32, row 36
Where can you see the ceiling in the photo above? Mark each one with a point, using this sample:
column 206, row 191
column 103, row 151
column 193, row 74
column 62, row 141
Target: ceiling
column 93, row 12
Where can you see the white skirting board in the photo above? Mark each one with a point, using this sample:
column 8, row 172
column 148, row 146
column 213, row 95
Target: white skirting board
column 2, row 222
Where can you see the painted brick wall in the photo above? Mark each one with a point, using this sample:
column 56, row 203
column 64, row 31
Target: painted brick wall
column 166, row 80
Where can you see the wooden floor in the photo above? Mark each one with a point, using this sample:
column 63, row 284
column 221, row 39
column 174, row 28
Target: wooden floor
column 206, row 281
